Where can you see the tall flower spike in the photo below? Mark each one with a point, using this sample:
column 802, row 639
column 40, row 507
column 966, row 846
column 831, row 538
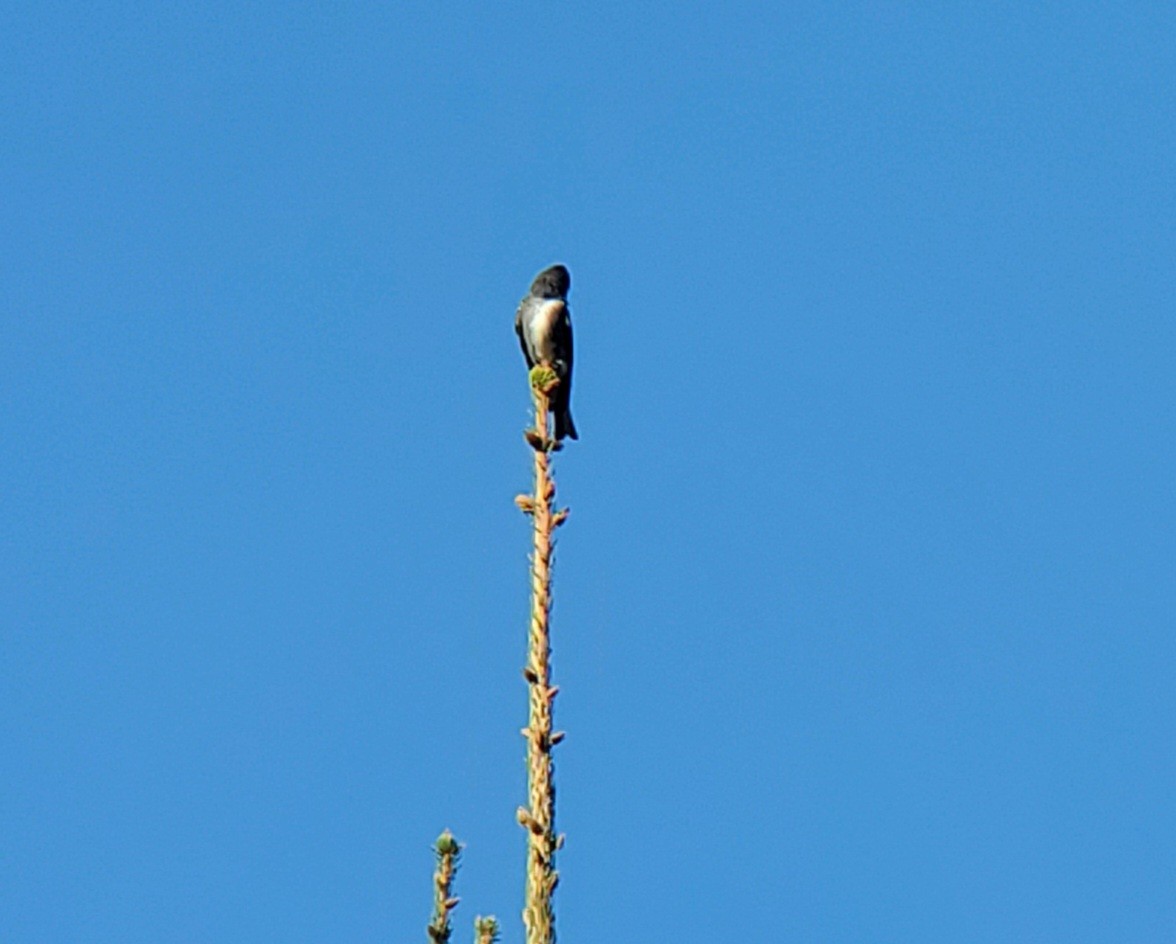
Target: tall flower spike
column 538, row 818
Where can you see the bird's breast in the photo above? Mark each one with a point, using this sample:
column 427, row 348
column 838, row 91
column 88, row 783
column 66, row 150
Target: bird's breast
column 544, row 317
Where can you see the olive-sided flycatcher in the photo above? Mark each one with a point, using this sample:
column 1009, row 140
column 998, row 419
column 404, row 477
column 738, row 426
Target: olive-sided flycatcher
column 544, row 326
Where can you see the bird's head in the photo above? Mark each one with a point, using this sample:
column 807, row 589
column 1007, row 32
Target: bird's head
column 552, row 282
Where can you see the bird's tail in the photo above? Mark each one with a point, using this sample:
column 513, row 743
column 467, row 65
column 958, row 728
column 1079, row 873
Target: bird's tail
column 564, row 425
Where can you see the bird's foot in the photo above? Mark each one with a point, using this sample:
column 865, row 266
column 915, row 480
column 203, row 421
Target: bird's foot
column 544, row 379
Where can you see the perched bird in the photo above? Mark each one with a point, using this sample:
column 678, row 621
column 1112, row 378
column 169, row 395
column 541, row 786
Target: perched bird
column 544, row 326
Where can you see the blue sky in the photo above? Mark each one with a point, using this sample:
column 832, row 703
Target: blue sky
column 864, row 611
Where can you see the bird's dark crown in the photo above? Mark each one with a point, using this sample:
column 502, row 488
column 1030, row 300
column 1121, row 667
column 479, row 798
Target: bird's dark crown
column 552, row 282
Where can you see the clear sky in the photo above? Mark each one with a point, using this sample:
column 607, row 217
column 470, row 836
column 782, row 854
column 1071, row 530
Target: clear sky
column 864, row 612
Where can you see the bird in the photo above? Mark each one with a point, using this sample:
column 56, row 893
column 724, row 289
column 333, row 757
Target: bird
column 543, row 323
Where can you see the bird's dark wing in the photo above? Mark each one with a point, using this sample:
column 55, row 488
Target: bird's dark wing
column 522, row 336
column 561, row 336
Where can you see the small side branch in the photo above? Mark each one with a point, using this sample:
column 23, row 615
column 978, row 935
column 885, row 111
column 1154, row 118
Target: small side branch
column 486, row 930
column 448, row 852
